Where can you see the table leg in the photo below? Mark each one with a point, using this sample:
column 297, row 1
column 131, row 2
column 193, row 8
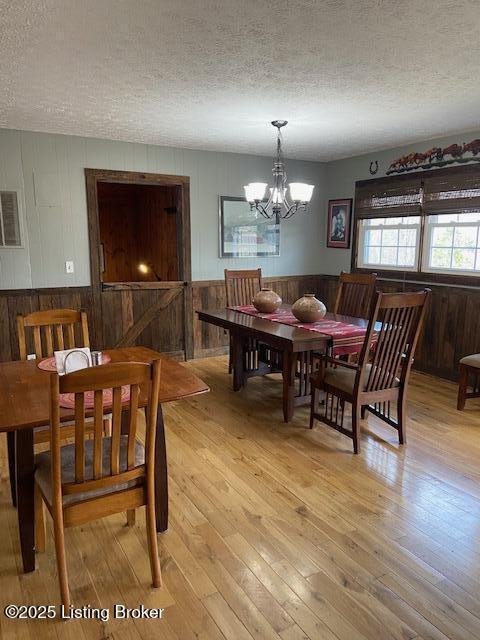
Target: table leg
column 11, row 466
column 238, row 362
column 288, row 373
column 25, row 467
column 161, row 475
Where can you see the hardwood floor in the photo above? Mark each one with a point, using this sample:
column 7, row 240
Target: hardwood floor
column 279, row 532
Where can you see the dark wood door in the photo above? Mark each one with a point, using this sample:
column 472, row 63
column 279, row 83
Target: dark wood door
column 153, row 314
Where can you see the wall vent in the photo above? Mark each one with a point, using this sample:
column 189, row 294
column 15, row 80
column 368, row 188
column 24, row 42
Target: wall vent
column 9, row 220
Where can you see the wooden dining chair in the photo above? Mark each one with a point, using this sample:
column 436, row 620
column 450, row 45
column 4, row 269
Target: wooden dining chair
column 50, row 331
column 91, row 479
column 354, row 297
column 380, row 380
column 354, row 294
column 42, row 333
column 469, row 370
column 241, row 286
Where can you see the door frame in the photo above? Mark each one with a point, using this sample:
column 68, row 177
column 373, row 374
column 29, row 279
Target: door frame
column 92, row 178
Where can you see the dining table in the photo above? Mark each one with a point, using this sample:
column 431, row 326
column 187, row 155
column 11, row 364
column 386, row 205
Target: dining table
column 24, row 405
column 299, row 346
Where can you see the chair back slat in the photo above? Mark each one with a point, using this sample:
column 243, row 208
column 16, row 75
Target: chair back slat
column 79, row 437
column 59, row 328
column 37, row 341
column 70, row 336
column 142, row 380
column 97, row 433
column 132, row 431
column 59, row 334
column 47, row 329
column 116, row 431
column 241, row 286
column 394, row 328
column 355, row 294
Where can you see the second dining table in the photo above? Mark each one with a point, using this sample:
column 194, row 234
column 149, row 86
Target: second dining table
column 299, row 347
column 24, row 405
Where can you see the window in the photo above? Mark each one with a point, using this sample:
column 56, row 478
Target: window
column 427, row 222
column 9, row 220
column 390, row 242
column 453, row 243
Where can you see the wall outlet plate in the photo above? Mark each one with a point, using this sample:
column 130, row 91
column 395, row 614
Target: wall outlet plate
column 69, row 268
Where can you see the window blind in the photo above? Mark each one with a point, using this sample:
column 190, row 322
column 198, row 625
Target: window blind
column 453, row 191
column 394, row 196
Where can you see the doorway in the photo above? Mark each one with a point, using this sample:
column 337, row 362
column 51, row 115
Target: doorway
column 139, row 231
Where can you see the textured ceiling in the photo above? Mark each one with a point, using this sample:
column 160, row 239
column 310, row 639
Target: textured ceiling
column 350, row 75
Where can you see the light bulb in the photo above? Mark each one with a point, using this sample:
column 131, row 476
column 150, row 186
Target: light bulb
column 143, row 268
column 277, row 195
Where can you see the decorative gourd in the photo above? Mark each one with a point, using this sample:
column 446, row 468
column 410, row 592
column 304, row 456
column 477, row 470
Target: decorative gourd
column 308, row 308
column 266, row 301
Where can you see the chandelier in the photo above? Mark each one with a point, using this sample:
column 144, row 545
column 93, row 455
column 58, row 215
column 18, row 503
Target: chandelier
column 278, row 205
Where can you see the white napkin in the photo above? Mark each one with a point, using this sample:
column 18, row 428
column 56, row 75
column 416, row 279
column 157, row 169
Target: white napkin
column 79, row 359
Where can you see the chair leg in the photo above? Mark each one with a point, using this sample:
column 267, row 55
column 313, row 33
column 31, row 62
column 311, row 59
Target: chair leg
column 402, row 418
column 313, row 405
column 230, row 355
column 462, row 387
column 59, row 535
column 11, row 466
column 356, row 428
column 40, row 534
column 131, row 517
column 153, row 542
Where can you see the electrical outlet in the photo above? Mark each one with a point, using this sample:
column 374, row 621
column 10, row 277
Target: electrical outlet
column 69, row 266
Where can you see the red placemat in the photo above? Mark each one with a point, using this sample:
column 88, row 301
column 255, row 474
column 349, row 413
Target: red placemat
column 48, row 364
column 67, row 400
column 339, row 331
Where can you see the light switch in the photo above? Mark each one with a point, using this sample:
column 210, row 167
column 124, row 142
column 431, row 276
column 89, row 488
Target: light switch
column 69, row 266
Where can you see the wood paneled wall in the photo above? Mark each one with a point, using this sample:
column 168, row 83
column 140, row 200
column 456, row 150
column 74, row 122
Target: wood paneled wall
column 452, row 327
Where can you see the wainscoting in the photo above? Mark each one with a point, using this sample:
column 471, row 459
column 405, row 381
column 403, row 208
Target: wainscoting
column 154, row 317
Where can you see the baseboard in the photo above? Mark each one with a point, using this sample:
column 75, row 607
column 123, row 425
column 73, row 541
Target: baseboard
column 210, row 353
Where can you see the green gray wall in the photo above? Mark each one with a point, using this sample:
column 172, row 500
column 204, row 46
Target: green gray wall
column 47, row 171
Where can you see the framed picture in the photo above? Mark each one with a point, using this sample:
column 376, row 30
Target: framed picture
column 339, row 222
column 244, row 233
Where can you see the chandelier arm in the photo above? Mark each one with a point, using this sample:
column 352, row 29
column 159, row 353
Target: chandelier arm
column 288, row 204
column 270, row 200
column 291, row 211
column 262, row 210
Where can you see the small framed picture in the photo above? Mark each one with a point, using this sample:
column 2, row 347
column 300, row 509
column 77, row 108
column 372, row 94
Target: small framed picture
column 339, row 222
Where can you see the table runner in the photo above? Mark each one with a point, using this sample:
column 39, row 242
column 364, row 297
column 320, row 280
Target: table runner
column 346, row 338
